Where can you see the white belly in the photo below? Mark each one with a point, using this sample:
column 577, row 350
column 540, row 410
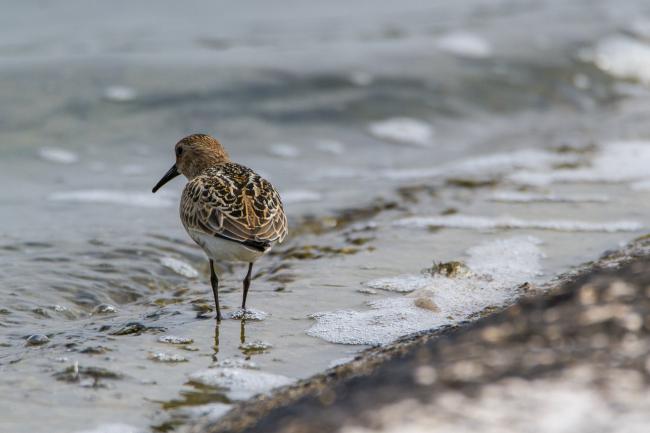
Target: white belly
column 219, row 249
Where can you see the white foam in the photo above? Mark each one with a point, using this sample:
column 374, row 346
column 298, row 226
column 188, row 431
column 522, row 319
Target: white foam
column 367, row 291
column 60, row 156
column 465, row 44
column 624, row 57
column 497, row 268
column 119, row 93
column 209, row 412
column 300, row 196
column 256, row 346
column 641, row 28
column 487, row 165
column 616, row 162
column 284, row 150
column 173, row 339
column 133, row 169
column 403, row 130
column 179, row 266
column 331, row 146
column 248, row 314
column 240, row 383
column 167, row 357
column 510, row 260
column 531, row 197
column 360, row 78
column 236, row 363
column 113, row 428
column 582, row 81
column 506, row 222
column 126, row 198
column 642, row 185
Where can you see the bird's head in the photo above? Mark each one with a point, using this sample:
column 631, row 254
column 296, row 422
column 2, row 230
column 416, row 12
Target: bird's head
column 194, row 154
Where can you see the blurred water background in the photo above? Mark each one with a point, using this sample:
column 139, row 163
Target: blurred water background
column 512, row 135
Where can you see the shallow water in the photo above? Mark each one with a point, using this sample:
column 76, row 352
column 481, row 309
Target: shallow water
column 417, row 134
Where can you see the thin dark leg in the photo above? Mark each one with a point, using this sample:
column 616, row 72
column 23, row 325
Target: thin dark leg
column 215, row 289
column 247, row 284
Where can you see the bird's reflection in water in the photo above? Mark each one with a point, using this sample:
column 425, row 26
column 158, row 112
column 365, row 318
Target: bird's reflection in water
column 242, row 332
column 242, row 338
column 215, row 347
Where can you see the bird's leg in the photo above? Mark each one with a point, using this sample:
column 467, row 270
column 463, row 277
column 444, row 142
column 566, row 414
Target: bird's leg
column 214, row 281
column 247, row 284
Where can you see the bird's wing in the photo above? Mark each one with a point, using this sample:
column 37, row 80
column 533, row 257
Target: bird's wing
column 233, row 202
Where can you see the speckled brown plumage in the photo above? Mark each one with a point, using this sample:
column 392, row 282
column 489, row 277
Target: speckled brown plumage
column 232, row 201
column 230, row 211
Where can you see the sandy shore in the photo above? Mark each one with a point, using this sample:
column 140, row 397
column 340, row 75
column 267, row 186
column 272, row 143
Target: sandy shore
column 576, row 355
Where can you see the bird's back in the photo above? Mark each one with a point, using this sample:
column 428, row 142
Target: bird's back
column 233, row 202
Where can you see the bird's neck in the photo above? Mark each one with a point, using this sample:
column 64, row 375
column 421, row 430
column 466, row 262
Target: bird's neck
column 196, row 168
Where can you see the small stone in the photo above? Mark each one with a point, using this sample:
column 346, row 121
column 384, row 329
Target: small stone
column 131, row 328
column 37, row 340
column 425, row 375
column 95, row 350
column 426, row 303
column 103, row 309
column 453, row 269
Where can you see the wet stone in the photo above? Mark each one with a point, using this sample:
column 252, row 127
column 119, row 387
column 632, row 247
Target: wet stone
column 426, row 303
column 95, row 350
column 103, row 309
column 136, row 328
column 453, row 269
column 41, row 312
column 37, row 340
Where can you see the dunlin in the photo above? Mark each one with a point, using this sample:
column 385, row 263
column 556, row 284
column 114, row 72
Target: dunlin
column 227, row 209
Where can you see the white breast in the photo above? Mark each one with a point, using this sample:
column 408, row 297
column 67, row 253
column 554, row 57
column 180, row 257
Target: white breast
column 219, row 249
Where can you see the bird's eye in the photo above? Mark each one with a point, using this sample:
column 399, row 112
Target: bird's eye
column 179, row 151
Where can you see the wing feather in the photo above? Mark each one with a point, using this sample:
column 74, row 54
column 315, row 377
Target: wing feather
column 233, row 202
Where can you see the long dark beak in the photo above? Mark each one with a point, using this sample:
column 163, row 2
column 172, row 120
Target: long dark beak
column 171, row 173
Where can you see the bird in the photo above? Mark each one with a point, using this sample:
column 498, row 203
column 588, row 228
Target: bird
column 230, row 211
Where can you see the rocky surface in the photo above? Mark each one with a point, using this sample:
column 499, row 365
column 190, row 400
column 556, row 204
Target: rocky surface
column 575, row 358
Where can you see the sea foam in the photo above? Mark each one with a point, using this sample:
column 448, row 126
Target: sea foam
column 459, row 221
column 60, row 156
column 606, row 167
column 126, row 198
column 241, row 383
column 300, row 196
column 532, row 197
column 180, row 267
column 624, row 57
column 496, row 270
column 403, row 130
column 464, row 44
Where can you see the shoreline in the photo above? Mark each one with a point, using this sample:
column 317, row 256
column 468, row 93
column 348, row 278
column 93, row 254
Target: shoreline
column 575, row 309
